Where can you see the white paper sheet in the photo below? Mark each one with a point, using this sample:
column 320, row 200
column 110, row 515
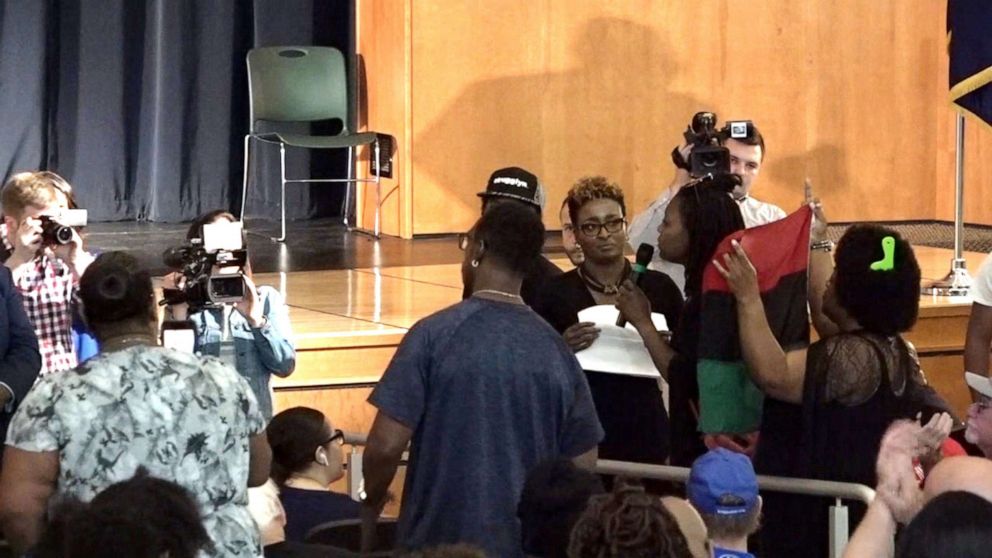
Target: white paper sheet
column 617, row 350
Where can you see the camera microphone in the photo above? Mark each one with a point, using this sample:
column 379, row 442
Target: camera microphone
column 644, row 254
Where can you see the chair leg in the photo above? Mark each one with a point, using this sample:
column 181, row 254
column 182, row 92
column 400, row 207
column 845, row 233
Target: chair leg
column 282, row 191
column 244, row 182
column 348, row 186
column 378, row 191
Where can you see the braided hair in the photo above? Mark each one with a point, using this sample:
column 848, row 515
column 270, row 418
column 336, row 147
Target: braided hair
column 627, row 523
column 709, row 214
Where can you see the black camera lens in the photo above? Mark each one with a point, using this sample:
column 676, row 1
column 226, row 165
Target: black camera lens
column 53, row 232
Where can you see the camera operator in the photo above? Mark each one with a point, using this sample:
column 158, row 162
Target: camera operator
column 746, row 157
column 258, row 325
column 46, row 260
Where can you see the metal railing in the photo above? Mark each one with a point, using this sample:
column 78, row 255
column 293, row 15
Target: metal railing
column 839, row 526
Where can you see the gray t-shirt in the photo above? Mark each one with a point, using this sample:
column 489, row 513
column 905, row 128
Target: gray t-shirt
column 490, row 390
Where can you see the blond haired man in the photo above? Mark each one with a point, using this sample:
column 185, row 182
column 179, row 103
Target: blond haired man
column 46, row 275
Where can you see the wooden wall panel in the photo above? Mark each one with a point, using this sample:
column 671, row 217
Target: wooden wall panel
column 852, row 95
column 382, row 41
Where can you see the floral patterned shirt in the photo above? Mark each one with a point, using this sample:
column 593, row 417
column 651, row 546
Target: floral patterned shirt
column 186, row 419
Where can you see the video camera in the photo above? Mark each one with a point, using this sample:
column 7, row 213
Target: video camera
column 221, row 247
column 56, row 230
column 708, row 156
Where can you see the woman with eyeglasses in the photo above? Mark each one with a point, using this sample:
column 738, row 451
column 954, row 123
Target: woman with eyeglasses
column 306, row 459
column 630, row 408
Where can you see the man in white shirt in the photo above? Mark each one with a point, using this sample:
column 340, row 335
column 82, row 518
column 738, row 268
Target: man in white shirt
column 746, row 157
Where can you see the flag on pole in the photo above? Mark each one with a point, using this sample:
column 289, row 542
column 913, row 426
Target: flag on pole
column 729, row 402
column 969, row 45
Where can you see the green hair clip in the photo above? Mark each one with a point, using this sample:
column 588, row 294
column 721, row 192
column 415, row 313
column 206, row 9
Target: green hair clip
column 888, row 261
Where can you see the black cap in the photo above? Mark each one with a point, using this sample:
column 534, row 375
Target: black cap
column 515, row 183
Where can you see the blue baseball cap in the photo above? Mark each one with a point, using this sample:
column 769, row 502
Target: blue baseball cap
column 722, row 483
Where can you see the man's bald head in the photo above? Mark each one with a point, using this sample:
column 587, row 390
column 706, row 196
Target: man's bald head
column 970, row 474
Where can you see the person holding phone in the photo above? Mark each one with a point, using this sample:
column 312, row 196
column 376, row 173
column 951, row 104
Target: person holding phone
column 258, row 326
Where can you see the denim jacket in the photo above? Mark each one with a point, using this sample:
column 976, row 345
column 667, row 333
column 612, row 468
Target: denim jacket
column 258, row 352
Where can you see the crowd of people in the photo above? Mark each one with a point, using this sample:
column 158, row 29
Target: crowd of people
column 116, row 445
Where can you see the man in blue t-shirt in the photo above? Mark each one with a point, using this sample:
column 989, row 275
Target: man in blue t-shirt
column 482, row 391
column 724, row 489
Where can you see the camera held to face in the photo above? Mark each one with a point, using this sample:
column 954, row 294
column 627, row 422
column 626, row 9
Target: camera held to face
column 708, row 156
column 56, row 230
column 213, row 268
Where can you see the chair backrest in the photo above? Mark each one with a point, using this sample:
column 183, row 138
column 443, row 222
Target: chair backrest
column 347, row 534
column 297, row 84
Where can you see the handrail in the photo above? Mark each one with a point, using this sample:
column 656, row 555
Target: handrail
column 808, row 487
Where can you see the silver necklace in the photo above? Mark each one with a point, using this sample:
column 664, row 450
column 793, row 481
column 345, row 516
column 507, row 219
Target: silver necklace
column 505, row 294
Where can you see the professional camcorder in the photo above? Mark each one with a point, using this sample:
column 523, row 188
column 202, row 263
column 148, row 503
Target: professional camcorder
column 708, row 157
column 212, row 267
column 56, row 230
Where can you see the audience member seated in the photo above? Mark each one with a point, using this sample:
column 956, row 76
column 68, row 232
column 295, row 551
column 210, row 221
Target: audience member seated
column 259, row 326
column 189, row 420
column 627, row 523
column 696, row 220
column 691, row 524
column 979, row 425
column 553, row 498
column 47, row 276
column 723, row 487
column 631, row 408
column 481, row 392
column 957, row 524
column 144, row 517
column 845, row 389
column 306, row 459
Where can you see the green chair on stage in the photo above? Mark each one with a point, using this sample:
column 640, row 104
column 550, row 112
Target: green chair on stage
column 304, row 84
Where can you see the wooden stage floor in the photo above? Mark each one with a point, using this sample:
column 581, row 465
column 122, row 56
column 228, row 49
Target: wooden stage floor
column 347, row 324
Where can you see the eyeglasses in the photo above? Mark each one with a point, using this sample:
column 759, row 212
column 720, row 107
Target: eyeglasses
column 336, row 436
column 983, row 403
column 611, row 226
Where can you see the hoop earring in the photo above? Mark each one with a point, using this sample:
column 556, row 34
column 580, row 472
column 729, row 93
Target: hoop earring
column 475, row 263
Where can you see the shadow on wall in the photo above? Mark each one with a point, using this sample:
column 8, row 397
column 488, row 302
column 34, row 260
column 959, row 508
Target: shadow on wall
column 614, row 113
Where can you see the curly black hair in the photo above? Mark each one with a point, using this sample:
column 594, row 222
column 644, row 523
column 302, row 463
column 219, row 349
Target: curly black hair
column 627, row 523
column 114, row 289
column 709, row 214
column 883, row 302
column 143, row 517
column 511, row 233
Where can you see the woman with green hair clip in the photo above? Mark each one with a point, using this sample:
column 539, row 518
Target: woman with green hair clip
column 844, row 389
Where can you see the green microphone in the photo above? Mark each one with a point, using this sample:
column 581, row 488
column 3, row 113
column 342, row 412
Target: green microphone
column 644, row 254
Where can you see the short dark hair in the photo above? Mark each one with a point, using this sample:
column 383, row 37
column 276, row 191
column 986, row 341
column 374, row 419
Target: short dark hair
column 627, row 522
column 722, row 527
column 144, row 517
column 753, row 137
column 511, row 233
column 954, row 523
column 196, row 227
column 115, row 289
column 709, row 214
column 554, row 496
column 883, row 302
column 294, row 435
column 589, row 188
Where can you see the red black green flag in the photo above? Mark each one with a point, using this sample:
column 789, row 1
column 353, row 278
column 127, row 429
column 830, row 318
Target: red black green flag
column 728, row 399
column 969, row 45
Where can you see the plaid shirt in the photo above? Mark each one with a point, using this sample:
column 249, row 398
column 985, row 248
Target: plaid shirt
column 48, row 288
